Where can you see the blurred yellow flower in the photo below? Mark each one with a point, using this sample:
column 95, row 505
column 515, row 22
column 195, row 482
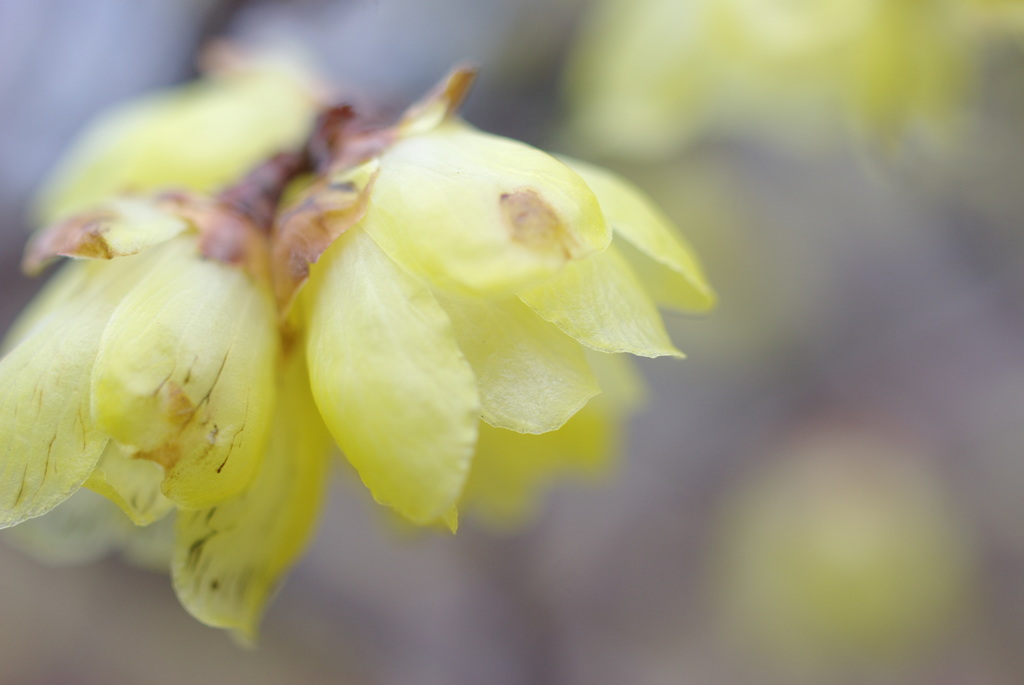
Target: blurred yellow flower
column 842, row 548
column 648, row 75
column 437, row 291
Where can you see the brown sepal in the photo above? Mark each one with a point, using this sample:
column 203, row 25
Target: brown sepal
column 226, row 234
column 303, row 232
column 78, row 236
column 445, row 98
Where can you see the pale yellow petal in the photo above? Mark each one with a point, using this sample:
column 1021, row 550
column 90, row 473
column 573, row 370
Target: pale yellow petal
column 201, row 136
column 132, row 484
column 480, row 214
column 229, row 559
column 120, row 227
column 599, row 301
column 511, row 471
column 390, row 382
column 532, row 377
column 664, row 286
column 49, row 442
column 138, row 224
column 404, row 529
column 441, row 104
column 635, row 217
column 185, row 374
column 69, row 280
column 451, row 520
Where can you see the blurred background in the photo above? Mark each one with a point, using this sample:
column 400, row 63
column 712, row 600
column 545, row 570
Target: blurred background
column 828, row 490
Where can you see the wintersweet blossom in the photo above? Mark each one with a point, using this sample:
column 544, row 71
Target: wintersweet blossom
column 648, row 75
column 465, row 284
column 430, row 298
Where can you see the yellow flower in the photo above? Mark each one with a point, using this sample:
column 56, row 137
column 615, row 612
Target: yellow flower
column 467, row 276
column 651, row 74
column 228, row 559
column 149, row 372
column 225, row 560
column 201, row 136
column 159, row 364
column 444, row 299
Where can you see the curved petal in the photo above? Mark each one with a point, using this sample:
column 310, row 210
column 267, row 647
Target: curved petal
column 599, row 302
column 390, row 382
column 185, row 374
column 132, row 484
column 200, row 136
column 636, row 218
column 532, row 377
column 510, row 470
column 439, row 105
column 229, row 559
column 121, row 227
column 49, row 442
column 69, row 281
column 480, row 214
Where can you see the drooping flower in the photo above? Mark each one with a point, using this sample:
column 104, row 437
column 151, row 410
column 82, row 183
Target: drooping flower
column 444, row 299
column 177, row 363
column 647, row 76
column 189, row 291
column 463, row 283
column 159, row 369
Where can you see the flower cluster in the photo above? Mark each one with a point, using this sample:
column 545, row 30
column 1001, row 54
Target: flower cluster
column 436, row 301
column 653, row 73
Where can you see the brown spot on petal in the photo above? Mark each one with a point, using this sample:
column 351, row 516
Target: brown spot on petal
column 533, row 223
column 80, row 236
column 166, row 455
column 176, row 404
